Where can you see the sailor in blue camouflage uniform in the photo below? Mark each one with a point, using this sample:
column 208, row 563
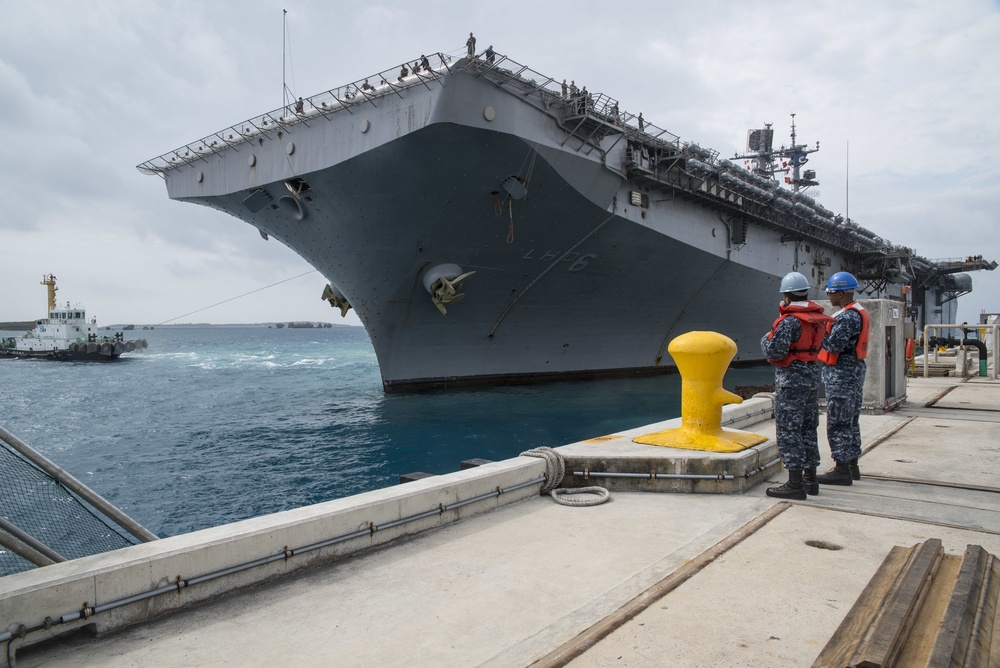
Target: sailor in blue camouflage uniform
column 792, row 346
column 843, row 356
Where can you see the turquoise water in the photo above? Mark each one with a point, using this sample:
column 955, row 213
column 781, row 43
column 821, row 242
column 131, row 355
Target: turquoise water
column 216, row 424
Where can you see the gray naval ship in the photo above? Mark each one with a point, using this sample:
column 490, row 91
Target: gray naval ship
column 490, row 224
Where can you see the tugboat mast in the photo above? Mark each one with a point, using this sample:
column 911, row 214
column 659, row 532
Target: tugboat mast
column 766, row 161
column 50, row 281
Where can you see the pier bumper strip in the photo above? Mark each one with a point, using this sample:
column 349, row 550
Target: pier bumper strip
column 653, row 475
column 86, row 612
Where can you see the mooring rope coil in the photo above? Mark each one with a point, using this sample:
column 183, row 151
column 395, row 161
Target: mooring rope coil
column 555, row 471
column 555, row 467
column 602, row 496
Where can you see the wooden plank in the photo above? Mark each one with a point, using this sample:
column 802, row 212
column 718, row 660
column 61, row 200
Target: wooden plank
column 845, row 639
column 994, row 656
column 923, row 608
column 983, row 628
column 953, row 638
column 922, row 638
column 884, row 640
column 967, row 627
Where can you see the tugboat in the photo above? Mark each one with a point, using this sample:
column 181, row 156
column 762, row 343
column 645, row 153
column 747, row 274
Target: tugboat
column 67, row 335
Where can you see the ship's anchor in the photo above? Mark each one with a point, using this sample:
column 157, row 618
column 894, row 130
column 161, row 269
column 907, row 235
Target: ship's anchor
column 442, row 283
column 336, row 300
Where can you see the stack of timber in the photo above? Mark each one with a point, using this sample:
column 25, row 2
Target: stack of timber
column 923, row 608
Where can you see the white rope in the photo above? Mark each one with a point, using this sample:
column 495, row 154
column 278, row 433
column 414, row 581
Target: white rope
column 602, row 496
column 555, row 471
column 555, row 468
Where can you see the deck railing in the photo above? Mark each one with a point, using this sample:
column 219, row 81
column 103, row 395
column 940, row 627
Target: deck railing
column 346, row 98
column 423, row 71
column 587, row 115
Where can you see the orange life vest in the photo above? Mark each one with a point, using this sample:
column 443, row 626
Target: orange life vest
column 814, row 323
column 860, row 348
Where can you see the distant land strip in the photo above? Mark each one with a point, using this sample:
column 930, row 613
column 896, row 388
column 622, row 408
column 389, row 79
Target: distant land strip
column 23, row 325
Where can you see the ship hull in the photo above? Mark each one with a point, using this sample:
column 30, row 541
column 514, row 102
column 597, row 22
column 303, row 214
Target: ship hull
column 45, row 342
column 563, row 287
column 59, row 355
column 581, row 270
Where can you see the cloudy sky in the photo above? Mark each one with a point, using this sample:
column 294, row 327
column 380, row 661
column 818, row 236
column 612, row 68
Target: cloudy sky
column 908, row 89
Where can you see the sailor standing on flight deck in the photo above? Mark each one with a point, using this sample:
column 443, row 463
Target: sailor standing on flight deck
column 843, row 357
column 792, row 346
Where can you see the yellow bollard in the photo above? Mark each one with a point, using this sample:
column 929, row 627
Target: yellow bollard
column 702, row 359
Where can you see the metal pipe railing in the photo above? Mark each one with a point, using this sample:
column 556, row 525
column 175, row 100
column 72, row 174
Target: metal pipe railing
column 994, row 329
column 654, row 475
column 27, row 546
column 285, row 553
column 77, row 487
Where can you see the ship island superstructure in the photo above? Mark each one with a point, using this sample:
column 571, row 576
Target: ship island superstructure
column 489, row 225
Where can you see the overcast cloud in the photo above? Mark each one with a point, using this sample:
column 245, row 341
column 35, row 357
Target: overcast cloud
column 91, row 89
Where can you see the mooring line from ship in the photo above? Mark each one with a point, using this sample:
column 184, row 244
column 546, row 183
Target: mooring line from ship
column 224, row 301
column 15, row 631
column 667, row 338
column 510, row 230
column 543, row 272
column 498, row 205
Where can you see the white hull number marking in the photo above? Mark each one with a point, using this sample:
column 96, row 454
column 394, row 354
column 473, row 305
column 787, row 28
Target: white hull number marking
column 577, row 261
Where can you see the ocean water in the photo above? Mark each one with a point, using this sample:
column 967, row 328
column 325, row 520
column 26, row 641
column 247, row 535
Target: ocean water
column 214, row 424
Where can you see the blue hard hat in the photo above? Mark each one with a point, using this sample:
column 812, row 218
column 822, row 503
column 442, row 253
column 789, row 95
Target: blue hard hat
column 842, row 282
column 794, row 282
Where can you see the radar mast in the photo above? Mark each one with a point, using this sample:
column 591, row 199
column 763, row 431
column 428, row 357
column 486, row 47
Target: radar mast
column 766, row 161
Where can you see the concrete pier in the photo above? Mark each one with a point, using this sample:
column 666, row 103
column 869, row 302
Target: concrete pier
column 476, row 569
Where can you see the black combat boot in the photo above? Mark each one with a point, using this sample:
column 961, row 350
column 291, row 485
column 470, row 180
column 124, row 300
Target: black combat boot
column 790, row 490
column 809, row 481
column 838, row 475
column 855, row 471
